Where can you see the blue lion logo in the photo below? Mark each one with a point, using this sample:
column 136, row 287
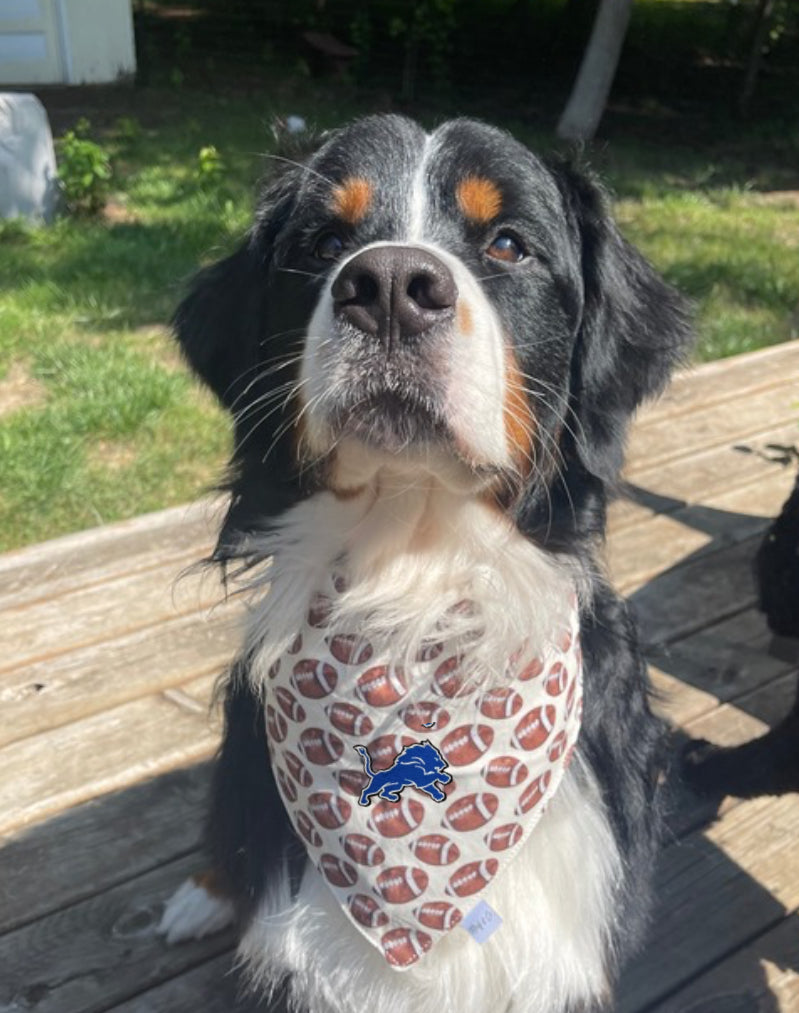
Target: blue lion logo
column 419, row 765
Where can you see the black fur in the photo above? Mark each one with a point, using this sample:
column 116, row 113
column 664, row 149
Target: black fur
column 768, row 765
column 591, row 319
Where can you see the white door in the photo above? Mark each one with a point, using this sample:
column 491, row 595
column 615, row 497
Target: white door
column 30, row 42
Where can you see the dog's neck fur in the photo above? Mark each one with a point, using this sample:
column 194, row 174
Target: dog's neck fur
column 411, row 547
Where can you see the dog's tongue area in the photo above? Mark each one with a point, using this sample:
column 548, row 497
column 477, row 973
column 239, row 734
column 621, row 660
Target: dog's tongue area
column 412, row 789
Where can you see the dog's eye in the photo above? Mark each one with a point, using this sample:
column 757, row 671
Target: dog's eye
column 329, row 246
column 506, row 247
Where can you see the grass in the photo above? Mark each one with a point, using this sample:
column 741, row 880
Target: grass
column 99, row 419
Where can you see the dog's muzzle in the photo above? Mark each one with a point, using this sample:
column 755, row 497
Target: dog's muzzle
column 395, row 293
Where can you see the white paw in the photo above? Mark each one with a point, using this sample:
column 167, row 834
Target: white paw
column 193, row 912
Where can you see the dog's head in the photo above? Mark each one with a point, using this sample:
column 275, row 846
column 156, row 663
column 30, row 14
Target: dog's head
column 443, row 301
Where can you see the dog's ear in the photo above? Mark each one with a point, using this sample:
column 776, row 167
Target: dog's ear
column 634, row 328
column 220, row 323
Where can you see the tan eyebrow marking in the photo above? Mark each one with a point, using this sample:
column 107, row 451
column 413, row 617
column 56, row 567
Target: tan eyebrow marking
column 479, row 199
column 352, row 198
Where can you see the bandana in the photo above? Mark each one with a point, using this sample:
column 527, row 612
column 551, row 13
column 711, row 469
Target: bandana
column 411, row 788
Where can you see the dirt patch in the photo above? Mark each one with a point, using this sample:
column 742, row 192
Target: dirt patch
column 18, row 389
column 118, row 214
column 788, row 197
column 111, row 455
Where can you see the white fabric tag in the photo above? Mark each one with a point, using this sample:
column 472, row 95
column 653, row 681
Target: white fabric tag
column 411, row 788
column 482, row 922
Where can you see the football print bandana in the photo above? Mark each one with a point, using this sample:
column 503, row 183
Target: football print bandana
column 411, row 789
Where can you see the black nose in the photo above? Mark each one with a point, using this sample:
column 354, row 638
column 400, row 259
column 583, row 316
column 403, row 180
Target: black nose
column 395, row 292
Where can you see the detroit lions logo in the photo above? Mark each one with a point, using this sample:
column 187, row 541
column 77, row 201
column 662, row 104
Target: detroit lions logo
column 419, row 765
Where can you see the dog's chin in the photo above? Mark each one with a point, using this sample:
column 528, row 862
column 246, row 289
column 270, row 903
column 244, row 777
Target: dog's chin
column 388, row 436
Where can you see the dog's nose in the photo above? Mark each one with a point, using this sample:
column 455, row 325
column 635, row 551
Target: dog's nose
column 395, row 292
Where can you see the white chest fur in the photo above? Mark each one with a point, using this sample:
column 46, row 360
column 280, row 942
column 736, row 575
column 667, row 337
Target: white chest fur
column 414, row 550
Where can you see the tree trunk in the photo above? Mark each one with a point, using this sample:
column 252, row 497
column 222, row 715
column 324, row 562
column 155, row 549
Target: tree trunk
column 589, row 95
column 764, row 11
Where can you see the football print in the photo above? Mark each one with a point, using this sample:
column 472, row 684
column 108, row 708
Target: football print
column 500, row 703
column 349, row 719
column 289, row 704
column 350, row 649
column 367, row 911
column 438, row 914
column 504, row 837
column 319, row 610
column 276, row 724
column 531, row 670
column 471, row 812
column 404, row 947
column 297, row 769
column 558, row 747
column 314, row 679
column 320, row 747
column 385, row 749
column 424, row 715
column 395, row 819
column 352, row 781
column 330, row 811
column 466, row 744
column 534, row 728
column 557, row 679
column 362, row 849
column 472, row 877
column 436, row 849
column 336, row 871
column 533, row 793
column 381, row 686
column 308, row 830
column 400, row 883
column 505, row 772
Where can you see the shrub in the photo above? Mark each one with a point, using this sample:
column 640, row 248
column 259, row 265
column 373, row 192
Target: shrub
column 84, row 170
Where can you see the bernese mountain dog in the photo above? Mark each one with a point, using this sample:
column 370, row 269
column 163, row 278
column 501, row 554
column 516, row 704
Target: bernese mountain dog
column 431, row 345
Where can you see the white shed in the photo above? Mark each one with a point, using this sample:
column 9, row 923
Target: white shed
column 65, row 41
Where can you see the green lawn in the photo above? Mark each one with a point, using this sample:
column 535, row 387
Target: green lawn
column 98, row 417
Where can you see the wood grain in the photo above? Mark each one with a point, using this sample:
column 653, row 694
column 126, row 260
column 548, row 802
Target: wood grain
column 101, row 951
column 102, row 843
column 91, row 557
column 45, row 774
column 717, row 889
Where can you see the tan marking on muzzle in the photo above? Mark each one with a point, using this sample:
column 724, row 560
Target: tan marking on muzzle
column 463, row 317
column 352, row 199
column 479, row 199
column 518, row 417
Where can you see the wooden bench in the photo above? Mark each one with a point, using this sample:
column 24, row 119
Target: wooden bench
column 107, row 663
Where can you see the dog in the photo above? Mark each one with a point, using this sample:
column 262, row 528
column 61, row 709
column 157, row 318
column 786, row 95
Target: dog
column 768, row 765
column 419, row 764
column 431, row 345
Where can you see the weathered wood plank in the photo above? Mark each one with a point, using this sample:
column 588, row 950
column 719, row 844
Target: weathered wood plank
column 46, row 773
column 715, row 382
column 100, row 844
column 695, row 594
column 637, row 553
column 101, row 612
column 730, row 422
column 90, row 557
column 74, row 685
column 662, row 489
column 719, row 663
column 216, row 984
column 717, row 890
column 762, row 977
column 101, row 951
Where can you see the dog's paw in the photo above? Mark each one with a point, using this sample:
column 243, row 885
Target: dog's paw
column 196, row 910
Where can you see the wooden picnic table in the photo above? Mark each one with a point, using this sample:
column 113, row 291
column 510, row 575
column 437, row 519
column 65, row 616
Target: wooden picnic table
column 107, row 664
